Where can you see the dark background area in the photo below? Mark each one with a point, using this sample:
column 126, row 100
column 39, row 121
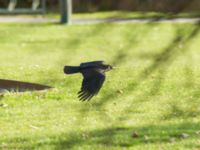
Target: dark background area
column 132, row 5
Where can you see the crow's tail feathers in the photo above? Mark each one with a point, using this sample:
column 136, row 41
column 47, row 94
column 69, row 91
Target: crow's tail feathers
column 71, row 69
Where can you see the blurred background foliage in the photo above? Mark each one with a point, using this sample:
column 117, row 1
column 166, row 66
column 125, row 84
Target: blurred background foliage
column 133, row 5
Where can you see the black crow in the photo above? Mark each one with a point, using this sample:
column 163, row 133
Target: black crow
column 93, row 77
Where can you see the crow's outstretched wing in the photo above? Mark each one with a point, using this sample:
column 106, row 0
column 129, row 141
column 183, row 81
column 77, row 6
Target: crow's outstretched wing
column 92, row 63
column 92, row 83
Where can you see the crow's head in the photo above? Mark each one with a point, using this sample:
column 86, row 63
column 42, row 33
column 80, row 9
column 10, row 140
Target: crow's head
column 106, row 67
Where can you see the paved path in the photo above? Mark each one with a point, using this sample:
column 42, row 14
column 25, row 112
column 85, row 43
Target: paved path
column 17, row 19
column 40, row 19
column 133, row 20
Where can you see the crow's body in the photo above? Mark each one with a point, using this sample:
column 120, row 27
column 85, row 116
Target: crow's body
column 93, row 77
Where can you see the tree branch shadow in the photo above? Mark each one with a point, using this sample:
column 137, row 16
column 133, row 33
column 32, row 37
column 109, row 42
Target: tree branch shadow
column 118, row 137
column 161, row 61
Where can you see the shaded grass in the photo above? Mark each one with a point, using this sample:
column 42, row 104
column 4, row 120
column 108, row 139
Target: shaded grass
column 154, row 91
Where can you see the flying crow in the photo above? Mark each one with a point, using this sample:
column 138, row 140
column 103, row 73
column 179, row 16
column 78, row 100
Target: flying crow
column 93, row 77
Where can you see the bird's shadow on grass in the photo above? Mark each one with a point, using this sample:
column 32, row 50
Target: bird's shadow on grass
column 121, row 137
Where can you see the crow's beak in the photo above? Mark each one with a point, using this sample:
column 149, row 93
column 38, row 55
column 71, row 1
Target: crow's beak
column 110, row 67
column 114, row 67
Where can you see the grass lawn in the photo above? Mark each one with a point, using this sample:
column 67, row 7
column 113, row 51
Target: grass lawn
column 154, row 93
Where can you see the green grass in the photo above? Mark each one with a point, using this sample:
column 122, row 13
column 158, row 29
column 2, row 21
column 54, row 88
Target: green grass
column 154, row 92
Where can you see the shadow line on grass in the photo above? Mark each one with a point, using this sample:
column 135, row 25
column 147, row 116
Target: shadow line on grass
column 122, row 136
